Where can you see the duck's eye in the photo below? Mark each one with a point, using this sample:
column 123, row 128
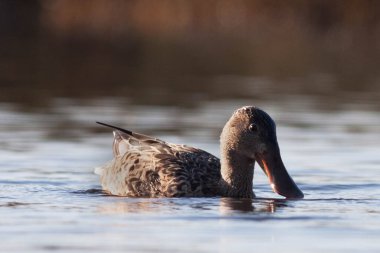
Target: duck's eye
column 252, row 127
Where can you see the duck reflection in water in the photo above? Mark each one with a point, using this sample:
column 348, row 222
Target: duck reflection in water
column 233, row 205
column 223, row 206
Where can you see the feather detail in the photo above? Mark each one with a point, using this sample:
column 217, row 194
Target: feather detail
column 144, row 166
column 98, row 171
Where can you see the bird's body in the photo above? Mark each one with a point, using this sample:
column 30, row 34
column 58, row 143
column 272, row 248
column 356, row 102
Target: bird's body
column 148, row 167
column 144, row 166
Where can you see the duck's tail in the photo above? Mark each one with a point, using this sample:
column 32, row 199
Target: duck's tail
column 100, row 170
column 115, row 127
column 121, row 141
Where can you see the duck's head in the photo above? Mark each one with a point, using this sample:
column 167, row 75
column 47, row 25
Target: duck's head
column 250, row 134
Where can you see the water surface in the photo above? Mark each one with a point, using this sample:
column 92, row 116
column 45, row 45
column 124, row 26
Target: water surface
column 50, row 199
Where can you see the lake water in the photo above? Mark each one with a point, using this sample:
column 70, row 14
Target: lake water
column 50, row 199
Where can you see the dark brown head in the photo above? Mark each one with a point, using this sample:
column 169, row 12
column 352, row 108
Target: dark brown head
column 251, row 133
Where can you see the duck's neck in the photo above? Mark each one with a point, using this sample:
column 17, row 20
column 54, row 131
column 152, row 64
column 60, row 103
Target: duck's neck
column 237, row 175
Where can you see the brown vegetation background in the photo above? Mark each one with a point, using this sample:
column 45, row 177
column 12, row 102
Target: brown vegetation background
column 178, row 51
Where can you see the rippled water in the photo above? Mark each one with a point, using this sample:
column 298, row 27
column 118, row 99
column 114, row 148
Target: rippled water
column 50, row 199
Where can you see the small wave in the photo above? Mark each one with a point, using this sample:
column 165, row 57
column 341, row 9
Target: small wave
column 342, row 199
column 90, row 191
column 14, row 204
column 33, row 182
column 325, row 187
column 249, row 218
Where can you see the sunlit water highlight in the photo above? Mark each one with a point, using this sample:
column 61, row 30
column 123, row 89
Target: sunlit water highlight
column 50, row 199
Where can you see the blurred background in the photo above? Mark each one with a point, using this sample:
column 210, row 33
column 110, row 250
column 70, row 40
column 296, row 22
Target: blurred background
column 177, row 69
column 182, row 52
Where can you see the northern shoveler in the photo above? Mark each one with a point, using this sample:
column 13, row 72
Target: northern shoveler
column 144, row 166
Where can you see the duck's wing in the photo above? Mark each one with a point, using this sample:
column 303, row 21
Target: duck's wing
column 189, row 171
column 147, row 166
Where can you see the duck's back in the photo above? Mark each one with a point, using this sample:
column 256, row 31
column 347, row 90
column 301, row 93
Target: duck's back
column 148, row 167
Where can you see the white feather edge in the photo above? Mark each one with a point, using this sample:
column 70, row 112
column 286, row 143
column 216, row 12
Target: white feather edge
column 120, row 147
column 99, row 170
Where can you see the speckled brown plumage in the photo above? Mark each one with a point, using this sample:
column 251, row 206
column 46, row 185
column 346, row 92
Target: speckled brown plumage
column 147, row 167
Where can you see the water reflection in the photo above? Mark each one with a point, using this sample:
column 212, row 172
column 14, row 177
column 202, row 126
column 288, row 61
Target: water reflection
column 192, row 206
column 232, row 205
column 154, row 205
column 127, row 207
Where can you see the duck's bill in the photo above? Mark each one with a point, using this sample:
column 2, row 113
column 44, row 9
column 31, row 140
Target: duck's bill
column 280, row 180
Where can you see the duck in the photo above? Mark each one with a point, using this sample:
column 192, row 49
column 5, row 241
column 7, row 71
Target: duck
column 145, row 166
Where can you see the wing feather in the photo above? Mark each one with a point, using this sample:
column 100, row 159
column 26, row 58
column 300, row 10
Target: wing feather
column 149, row 167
